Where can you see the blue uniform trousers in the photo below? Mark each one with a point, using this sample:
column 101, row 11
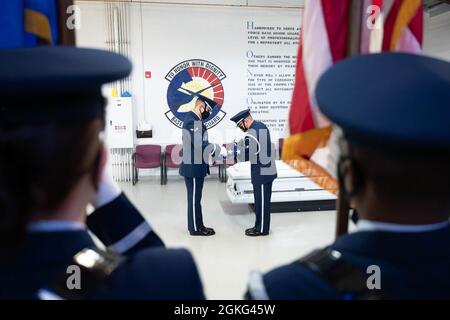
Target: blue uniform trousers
column 262, row 193
column 194, row 186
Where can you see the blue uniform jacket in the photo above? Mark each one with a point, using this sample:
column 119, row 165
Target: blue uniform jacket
column 257, row 148
column 196, row 148
column 150, row 271
column 412, row 266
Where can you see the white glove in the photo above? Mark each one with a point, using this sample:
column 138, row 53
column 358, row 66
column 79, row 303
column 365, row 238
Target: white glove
column 108, row 190
column 223, row 152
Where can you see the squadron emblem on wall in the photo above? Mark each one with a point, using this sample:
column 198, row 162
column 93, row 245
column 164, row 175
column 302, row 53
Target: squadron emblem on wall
column 191, row 80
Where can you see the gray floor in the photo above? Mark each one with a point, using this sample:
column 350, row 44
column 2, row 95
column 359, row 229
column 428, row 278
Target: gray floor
column 226, row 259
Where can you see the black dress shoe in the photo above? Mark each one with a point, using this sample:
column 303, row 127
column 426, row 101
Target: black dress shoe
column 250, row 230
column 255, row 233
column 203, row 231
column 209, row 229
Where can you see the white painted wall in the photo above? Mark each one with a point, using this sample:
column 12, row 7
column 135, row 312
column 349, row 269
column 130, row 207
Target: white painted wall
column 148, row 29
column 163, row 35
column 266, row 3
column 152, row 23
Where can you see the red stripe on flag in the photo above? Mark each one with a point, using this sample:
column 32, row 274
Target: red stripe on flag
column 389, row 24
column 378, row 3
column 416, row 25
column 336, row 23
column 300, row 115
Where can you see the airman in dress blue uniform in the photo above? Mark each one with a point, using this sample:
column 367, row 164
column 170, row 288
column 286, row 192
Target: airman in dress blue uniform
column 197, row 152
column 256, row 147
column 51, row 165
column 394, row 110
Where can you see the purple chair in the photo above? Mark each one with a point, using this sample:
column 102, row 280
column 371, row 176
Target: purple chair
column 147, row 156
column 173, row 154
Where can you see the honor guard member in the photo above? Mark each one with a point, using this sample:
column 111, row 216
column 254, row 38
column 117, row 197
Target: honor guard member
column 197, row 152
column 52, row 164
column 394, row 110
column 256, row 147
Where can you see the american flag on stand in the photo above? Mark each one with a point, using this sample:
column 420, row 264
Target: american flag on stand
column 386, row 25
column 327, row 34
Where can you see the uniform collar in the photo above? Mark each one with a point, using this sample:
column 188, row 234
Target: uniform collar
column 368, row 225
column 50, row 248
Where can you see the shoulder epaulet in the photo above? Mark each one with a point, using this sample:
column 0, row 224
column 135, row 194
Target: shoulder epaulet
column 87, row 273
column 349, row 281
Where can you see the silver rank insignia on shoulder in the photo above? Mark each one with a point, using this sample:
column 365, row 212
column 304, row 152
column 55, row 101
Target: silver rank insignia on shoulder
column 94, row 265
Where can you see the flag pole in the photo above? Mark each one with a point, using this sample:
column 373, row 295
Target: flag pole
column 66, row 34
column 353, row 48
column 354, row 27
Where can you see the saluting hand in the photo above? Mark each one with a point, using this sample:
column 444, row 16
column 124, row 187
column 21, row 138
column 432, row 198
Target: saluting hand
column 108, row 189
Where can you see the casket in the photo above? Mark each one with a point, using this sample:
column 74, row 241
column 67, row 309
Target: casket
column 291, row 191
